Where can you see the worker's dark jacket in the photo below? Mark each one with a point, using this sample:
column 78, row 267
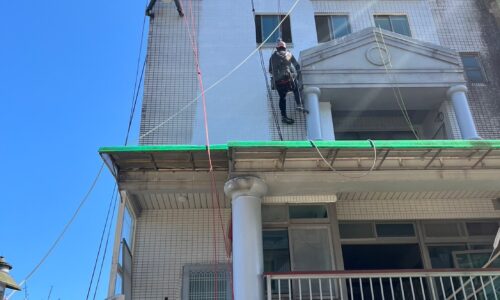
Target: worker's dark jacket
column 283, row 66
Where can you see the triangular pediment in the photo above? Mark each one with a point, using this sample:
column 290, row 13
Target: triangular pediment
column 373, row 52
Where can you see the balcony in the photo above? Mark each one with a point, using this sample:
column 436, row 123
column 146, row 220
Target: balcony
column 381, row 85
column 435, row 284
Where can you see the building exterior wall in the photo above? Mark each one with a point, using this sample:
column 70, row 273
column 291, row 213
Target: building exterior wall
column 165, row 241
column 238, row 106
column 469, row 26
column 170, row 82
column 416, row 209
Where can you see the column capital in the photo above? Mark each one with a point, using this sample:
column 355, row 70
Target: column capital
column 312, row 90
column 245, row 186
column 456, row 89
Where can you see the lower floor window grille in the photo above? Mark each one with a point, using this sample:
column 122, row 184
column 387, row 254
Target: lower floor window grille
column 206, row 282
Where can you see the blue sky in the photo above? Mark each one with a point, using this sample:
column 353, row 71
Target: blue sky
column 66, row 78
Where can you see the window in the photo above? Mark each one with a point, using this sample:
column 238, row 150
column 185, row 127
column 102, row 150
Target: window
column 123, row 282
column 482, row 228
column 199, row 282
column 128, row 227
column 395, row 230
column 331, row 27
column 372, row 230
column 265, row 25
column 397, row 24
column 356, row 230
column 308, row 212
column 472, row 68
column 449, row 229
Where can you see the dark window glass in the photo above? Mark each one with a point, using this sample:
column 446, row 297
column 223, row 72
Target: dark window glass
column 340, row 26
column 442, row 256
column 381, row 257
column 276, row 254
column 356, row 230
column 322, row 29
column 397, row 24
column 265, row 24
column 482, row 228
column 274, row 213
column 383, row 22
column 442, row 230
column 472, row 68
column 308, row 212
column 400, row 25
column 469, row 61
column 395, row 230
column 276, row 250
column 331, row 27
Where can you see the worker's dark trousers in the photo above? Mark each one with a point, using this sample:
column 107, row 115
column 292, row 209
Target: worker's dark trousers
column 283, row 89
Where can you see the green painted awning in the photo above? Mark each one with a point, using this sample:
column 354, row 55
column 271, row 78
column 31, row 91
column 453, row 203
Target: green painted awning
column 392, row 144
column 302, row 155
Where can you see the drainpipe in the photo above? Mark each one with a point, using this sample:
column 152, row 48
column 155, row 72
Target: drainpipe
column 151, row 5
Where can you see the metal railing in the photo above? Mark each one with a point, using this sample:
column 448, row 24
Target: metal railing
column 435, row 284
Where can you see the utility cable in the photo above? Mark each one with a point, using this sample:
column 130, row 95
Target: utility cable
column 268, row 89
column 374, row 147
column 100, row 242
column 396, row 90
column 224, row 77
column 137, row 85
column 192, row 36
column 270, row 97
column 66, row 227
column 105, row 247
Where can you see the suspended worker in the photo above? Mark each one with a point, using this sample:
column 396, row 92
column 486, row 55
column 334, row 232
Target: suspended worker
column 284, row 69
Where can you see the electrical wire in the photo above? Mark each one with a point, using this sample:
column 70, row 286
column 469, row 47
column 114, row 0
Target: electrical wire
column 100, row 242
column 374, row 147
column 224, row 77
column 396, row 90
column 270, row 97
column 105, row 247
column 134, row 103
column 266, row 79
column 61, row 235
column 137, row 85
column 192, row 36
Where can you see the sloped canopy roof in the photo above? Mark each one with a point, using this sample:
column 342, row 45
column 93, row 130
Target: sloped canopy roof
column 375, row 57
column 275, row 156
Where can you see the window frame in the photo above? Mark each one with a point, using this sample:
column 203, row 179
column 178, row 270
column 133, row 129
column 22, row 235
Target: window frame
column 378, row 239
column 289, row 221
column 479, row 67
column 331, row 29
column 220, row 268
column 259, row 34
column 389, row 15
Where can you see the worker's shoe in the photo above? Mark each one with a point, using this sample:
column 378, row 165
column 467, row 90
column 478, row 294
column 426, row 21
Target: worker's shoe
column 287, row 120
column 301, row 109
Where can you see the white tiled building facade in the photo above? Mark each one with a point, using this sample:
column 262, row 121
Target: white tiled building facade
column 171, row 82
column 167, row 218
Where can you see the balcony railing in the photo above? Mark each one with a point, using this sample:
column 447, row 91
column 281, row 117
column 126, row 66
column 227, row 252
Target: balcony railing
column 435, row 284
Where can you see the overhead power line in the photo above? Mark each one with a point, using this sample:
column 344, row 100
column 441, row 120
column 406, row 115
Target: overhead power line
column 227, row 75
column 61, row 235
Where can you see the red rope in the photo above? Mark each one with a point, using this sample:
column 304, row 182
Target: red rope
column 213, row 184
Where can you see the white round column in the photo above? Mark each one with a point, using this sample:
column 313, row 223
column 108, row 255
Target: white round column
column 458, row 98
column 246, row 193
column 314, row 116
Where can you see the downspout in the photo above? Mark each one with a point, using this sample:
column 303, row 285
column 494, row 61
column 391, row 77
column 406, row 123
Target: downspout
column 149, row 9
